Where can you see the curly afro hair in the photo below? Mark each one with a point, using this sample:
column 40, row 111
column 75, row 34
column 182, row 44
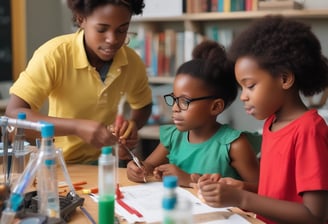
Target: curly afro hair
column 86, row 7
column 211, row 65
column 281, row 45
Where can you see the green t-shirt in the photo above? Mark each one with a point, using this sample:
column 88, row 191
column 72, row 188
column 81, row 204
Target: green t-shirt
column 211, row 156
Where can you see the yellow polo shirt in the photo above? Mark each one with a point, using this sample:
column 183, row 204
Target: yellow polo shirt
column 59, row 70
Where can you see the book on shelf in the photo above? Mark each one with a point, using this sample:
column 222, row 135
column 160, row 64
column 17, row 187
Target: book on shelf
column 191, row 39
column 220, row 5
column 179, row 53
column 221, row 35
column 237, row 5
column 148, row 48
column 197, row 6
column 279, row 5
column 163, row 51
column 160, row 42
column 214, row 5
column 226, row 5
column 170, row 52
column 231, row 5
column 251, row 5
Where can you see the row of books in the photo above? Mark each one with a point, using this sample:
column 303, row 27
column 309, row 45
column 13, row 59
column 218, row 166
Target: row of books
column 197, row 6
column 164, row 51
column 155, row 8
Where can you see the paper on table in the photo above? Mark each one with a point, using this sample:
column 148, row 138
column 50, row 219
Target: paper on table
column 147, row 198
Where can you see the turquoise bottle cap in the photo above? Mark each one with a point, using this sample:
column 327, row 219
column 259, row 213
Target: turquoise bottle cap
column 47, row 130
column 106, row 150
column 21, row 115
column 15, row 200
column 170, row 181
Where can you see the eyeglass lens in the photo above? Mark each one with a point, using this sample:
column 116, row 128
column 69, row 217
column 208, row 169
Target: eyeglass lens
column 181, row 101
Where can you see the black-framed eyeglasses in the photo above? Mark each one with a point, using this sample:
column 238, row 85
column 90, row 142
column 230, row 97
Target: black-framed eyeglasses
column 182, row 101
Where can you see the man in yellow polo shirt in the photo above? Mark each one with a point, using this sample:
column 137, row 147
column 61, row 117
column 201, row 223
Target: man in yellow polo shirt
column 83, row 75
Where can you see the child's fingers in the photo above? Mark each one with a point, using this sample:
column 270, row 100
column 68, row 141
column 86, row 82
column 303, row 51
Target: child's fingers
column 215, row 177
column 157, row 173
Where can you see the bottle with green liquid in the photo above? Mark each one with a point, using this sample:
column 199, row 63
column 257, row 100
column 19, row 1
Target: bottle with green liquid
column 106, row 185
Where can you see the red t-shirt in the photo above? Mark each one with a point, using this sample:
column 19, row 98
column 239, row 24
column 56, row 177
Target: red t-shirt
column 294, row 159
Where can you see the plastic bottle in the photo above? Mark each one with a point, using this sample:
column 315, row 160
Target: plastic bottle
column 47, row 184
column 106, row 185
column 169, row 200
column 176, row 210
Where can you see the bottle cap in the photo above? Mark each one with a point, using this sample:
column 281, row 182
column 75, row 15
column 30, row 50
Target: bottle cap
column 15, row 200
column 106, row 150
column 47, row 130
column 170, row 181
column 21, row 115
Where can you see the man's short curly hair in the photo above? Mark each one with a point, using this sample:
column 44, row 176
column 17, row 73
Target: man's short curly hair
column 281, row 45
column 86, row 7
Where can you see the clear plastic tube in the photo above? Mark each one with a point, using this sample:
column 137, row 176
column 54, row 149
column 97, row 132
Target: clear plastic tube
column 65, row 171
column 47, row 176
column 19, row 153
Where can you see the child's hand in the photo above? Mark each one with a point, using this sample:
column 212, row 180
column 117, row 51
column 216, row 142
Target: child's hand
column 170, row 169
column 135, row 173
column 218, row 192
column 232, row 182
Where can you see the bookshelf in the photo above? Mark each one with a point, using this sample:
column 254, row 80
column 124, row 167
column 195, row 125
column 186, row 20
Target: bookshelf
column 202, row 23
column 161, row 80
column 215, row 16
column 235, row 21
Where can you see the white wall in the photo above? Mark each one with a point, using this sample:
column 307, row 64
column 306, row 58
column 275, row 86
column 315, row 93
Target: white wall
column 315, row 4
column 45, row 19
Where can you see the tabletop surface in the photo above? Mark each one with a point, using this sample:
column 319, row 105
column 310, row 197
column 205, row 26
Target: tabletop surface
column 89, row 174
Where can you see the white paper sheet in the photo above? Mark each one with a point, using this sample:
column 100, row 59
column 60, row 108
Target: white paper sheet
column 147, row 198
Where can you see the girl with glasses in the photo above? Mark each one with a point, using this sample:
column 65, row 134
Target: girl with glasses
column 84, row 75
column 203, row 88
